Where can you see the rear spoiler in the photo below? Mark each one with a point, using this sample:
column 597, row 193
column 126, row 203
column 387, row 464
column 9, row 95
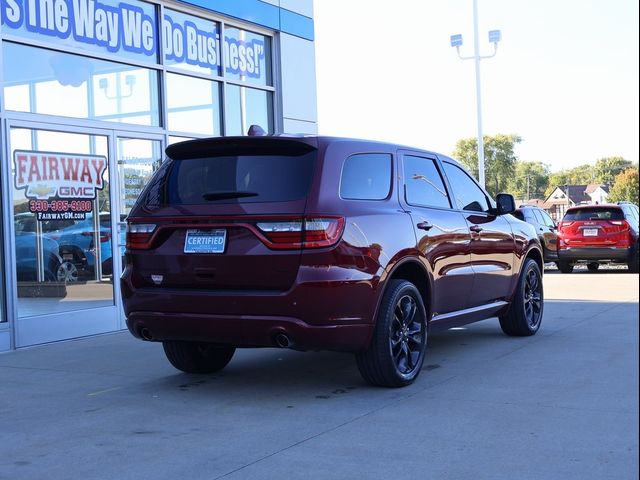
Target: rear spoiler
column 223, row 146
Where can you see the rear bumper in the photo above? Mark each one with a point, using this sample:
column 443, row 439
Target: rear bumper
column 248, row 331
column 603, row 254
column 326, row 309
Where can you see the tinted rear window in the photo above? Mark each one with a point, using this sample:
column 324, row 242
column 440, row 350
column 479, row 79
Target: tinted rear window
column 239, row 179
column 587, row 213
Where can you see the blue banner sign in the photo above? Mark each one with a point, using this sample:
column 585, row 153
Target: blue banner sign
column 130, row 29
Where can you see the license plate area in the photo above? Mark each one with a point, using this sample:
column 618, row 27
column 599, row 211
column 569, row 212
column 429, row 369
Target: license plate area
column 590, row 232
column 205, row 241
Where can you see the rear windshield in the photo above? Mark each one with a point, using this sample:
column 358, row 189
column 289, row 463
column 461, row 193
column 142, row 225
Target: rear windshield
column 587, row 213
column 239, row 179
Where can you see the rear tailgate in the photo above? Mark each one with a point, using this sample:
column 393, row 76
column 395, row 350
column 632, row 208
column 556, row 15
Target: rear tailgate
column 223, row 214
column 594, row 226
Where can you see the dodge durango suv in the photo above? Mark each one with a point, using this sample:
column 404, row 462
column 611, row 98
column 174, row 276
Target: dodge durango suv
column 318, row 243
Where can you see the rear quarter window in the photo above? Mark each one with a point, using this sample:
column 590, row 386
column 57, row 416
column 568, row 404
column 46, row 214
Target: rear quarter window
column 366, row 176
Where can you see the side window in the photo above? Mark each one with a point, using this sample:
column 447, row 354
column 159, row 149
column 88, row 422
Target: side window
column 539, row 217
column 548, row 221
column 423, row 183
column 366, row 176
column 528, row 214
column 468, row 195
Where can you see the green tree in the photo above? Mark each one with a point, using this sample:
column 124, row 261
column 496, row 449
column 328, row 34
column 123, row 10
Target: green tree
column 625, row 187
column 608, row 168
column 499, row 158
column 530, row 180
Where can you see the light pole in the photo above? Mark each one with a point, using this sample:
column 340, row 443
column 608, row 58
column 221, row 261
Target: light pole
column 456, row 41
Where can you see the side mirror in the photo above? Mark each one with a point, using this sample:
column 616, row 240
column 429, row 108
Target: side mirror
column 505, row 204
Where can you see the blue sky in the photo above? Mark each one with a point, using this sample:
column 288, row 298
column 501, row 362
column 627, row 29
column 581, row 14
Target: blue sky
column 565, row 77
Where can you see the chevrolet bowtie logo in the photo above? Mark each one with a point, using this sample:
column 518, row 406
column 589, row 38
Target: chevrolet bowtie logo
column 41, row 191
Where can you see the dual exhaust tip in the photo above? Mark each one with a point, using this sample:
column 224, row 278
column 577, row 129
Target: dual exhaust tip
column 281, row 339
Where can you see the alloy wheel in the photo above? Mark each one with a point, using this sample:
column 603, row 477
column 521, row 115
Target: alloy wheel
column 407, row 335
column 532, row 298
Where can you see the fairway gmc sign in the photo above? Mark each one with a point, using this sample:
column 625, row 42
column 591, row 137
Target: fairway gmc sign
column 58, row 185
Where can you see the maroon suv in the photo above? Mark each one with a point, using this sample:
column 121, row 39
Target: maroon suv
column 322, row 243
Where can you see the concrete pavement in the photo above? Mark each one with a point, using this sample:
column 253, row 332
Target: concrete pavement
column 560, row 405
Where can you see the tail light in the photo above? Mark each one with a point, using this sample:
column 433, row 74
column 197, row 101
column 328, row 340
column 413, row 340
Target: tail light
column 139, row 235
column 277, row 234
column 565, row 224
column 314, row 232
column 104, row 236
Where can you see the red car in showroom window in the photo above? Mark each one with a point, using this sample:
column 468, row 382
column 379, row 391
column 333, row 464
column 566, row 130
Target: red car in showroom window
column 595, row 234
column 322, row 243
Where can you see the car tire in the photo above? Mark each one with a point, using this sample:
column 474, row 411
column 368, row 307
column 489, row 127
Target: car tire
column 593, row 266
column 525, row 314
column 633, row 264
column 565, row 267
column 396, row 353
column 197, row 357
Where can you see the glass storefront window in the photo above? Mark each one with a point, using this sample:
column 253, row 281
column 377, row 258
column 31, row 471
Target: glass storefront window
column 43, row 81
column 247, row 56
column 126, row 28
column 171, row 140
column 62, row 221
column 191, row 43
column 138, row 159
column 245, row 107
column 193, row 104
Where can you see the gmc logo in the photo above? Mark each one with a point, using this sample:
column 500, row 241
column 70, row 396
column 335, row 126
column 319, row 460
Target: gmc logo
column 76, row 192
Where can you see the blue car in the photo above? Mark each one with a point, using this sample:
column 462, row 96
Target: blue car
column 77, row 245
column 27, row 263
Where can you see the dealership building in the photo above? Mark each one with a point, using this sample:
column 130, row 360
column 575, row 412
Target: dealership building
column 92, row 93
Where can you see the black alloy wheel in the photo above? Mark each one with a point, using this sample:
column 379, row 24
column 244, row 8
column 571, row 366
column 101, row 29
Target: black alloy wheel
column 533, row 298
column 406, row 335
column 525, row 314
column 396, row 353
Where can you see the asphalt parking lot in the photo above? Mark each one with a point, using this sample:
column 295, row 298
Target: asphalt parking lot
column 560, row 405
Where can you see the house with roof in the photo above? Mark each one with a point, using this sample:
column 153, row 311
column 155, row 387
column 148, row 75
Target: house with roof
column 565, row 196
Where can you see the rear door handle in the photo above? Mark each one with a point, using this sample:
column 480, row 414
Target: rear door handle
column 475, row 228
column 424, row 226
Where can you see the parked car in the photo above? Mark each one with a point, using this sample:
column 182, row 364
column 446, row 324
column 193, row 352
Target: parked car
column 77, row 245
column 545, row 227
column 27, row 262
column 594, row 234
column 322, row 243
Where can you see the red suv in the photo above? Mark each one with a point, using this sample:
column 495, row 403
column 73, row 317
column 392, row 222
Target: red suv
column 593, row 234
column 322, row 243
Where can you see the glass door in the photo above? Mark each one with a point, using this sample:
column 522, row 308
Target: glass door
column 137, row 158
column 62, row 242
